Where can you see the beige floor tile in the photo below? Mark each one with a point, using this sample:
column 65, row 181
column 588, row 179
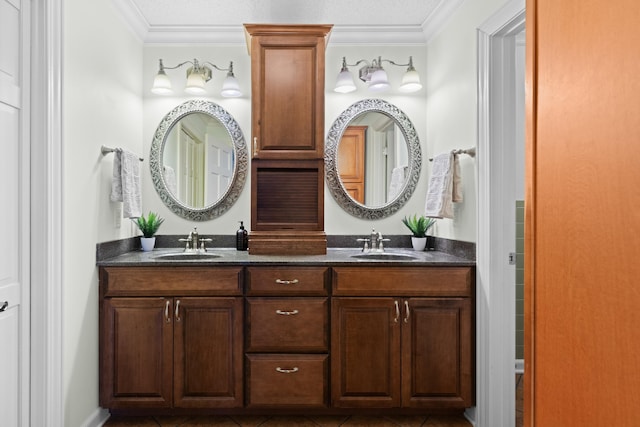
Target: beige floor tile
column 407, row 420
column 209, row 421
column 115, row 421
column 249, row 420
column 289, row 422
column 364, row 421
column 447, row 421
column 329, row 420
column 170, row 420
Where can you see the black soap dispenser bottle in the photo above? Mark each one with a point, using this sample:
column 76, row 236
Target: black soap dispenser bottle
column 242, row 238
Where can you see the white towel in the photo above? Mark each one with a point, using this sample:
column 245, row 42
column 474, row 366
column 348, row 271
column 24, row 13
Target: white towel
column 170, row 180
column 397, row 181
column 125, row 183
column 444, row 186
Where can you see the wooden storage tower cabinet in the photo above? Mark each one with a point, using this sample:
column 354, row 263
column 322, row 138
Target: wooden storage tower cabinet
column 287, row 167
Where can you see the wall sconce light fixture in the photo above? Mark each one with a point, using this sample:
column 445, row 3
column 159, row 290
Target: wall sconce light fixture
column 197, row 75
column 375, row 76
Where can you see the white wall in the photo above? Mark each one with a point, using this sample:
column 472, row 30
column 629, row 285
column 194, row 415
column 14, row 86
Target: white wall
column 102, row 87
column 337, row 221
column 452, row 107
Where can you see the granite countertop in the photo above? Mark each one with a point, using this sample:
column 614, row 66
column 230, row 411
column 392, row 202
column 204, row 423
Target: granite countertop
column 334, row 256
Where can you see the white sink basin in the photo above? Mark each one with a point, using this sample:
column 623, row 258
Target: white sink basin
column 185, row 256
column 384, row 256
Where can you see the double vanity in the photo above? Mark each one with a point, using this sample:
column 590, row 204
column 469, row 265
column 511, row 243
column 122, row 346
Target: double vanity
column 229, row 332
column 292, row 326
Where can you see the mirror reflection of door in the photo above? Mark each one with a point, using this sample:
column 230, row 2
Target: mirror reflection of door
column 190, row 168
column 219, row 161
column 373, row 159
column 198, row 160
column 351, row 161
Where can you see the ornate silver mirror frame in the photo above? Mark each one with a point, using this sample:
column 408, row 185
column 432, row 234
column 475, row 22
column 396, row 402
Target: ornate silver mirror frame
column 332, row 177
column 240, row 168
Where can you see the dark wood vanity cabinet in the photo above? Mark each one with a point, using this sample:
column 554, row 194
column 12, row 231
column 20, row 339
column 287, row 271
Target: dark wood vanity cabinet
column 287, row 125
column 171, row 350
column 280, row 338
column 411, row 350
column 287, row 339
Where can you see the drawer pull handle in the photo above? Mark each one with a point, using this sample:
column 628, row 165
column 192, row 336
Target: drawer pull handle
column 287, row 371
column 406, row 307
column 287, row 313
column 397, row 312
column 287, row 282
column 166, row 311
column 178, row 311
column 255, row 146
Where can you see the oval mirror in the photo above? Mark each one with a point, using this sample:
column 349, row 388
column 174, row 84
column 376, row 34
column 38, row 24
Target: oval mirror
column 372, row 159
column 198, row 160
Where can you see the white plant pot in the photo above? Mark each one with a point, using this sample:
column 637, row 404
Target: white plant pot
column 418, row 243
column 147, row 243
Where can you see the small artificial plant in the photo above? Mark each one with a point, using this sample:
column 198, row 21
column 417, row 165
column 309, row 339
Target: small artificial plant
column 149, row 225
column 419, row 225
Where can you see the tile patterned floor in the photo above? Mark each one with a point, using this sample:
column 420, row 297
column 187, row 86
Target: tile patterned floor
column 310, row 421
column 519, row 398
column 281, row 421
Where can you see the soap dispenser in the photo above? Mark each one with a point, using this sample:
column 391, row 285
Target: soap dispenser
column 242, row 238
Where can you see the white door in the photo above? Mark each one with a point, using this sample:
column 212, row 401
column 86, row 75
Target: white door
column 14, row 216
column 219, row 169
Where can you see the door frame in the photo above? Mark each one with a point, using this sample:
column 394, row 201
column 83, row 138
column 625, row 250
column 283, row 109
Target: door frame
column 496, row 172
column 47, row 391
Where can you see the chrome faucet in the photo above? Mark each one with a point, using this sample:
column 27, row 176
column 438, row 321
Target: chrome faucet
column 194, row 240
column 375, row 240
column 380, row 239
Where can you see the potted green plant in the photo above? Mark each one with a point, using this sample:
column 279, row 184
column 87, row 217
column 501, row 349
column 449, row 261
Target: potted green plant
column 149, row 227
column 419, row 225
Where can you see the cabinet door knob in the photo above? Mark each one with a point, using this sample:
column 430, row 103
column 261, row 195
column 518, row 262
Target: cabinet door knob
column 287, row 282
column 397, row 312
column 287, row 313
column 4, row 306
column 287, row 371
column 166, row 311
column 406, row 309
column 178, row 311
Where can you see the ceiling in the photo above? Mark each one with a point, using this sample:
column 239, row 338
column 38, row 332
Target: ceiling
column 355, row 21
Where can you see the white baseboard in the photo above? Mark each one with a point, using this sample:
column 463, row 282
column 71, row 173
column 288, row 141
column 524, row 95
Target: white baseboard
column 97, row 419
column 519, row 366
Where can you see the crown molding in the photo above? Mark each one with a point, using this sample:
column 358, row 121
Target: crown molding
column 133, row 17
column 440, row 16
column 376, row 35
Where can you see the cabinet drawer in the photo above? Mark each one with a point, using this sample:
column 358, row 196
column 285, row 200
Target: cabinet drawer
column 170, row 281
column 287, row 324
column 283, row 281
column 415, row 281
column 287, row 380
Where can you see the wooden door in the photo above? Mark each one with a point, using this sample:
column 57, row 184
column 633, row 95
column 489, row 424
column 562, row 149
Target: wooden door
column 136, row 353
column 15, row 216
column 351, row 164
column 437, row 355
column 365, row 353
column 208, row 352
column 582, row 343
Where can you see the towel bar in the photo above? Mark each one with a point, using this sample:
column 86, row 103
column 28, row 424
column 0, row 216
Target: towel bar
column 106, row 150
column 469, row 151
